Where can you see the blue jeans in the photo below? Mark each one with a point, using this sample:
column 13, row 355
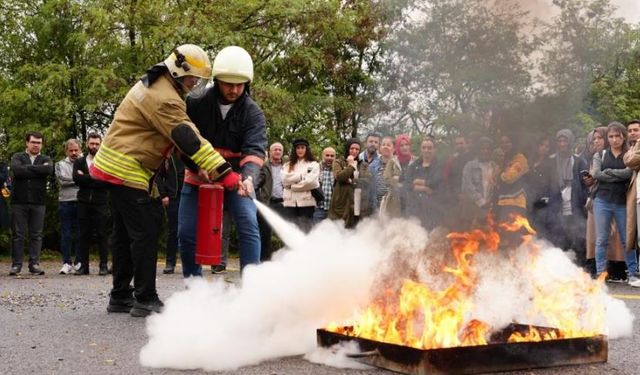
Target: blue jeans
column 604, row 212
column 319, row 214
column 68, row 212
column 243, row 212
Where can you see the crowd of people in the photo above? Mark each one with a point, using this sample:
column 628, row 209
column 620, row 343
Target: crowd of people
column 160, row 148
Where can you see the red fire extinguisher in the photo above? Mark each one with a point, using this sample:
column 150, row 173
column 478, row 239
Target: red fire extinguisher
column 209, row 228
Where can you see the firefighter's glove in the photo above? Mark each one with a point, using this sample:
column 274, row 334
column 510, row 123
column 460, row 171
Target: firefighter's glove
column 230, row 180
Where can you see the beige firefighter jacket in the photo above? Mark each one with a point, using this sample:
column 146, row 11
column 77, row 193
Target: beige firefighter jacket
column 140, row 137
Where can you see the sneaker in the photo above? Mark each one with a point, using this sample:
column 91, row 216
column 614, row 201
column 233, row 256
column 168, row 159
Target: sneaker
column 35, row 269
column 15, row 270
column 103, row 270
column 219, row 268
column 616, row 279
column 118, row 305
column 77, row 266
column 144, row 309
column 169, row 269
column 634, row 282
column 66, row 269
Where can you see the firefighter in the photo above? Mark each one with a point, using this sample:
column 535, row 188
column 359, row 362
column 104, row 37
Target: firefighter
column 234, row 124
column 149, row 122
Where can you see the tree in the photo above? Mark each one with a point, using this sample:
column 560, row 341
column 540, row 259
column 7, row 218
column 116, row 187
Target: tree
column 455, row 64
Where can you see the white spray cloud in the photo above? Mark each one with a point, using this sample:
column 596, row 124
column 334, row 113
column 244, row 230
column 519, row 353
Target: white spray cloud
column 337, row 356
column 278, row 306
column 327, row 276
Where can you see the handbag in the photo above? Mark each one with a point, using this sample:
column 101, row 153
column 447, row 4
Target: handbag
column 317, row 194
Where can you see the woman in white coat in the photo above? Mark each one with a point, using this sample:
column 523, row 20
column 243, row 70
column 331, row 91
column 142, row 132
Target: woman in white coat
column 300, row 176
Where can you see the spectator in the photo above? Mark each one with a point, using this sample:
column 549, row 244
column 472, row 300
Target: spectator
column 68, row 204
column 299, row 176
column 610, row 201
column 227, row 117
column 423, row 181
column 151, row 120
column 30, row 170
column 453, row 167
column 327, row 181
column 170, row 179
column 570, row 204
column 511, row 196
column 542, row 183
column 5, row 221
column 372, row 144
column 632, row 161
column 479, row 178
column 270, row 190
column 617, row 268
column 394, row 176
column 93, row 209
column 379, row 186
column 350, row 199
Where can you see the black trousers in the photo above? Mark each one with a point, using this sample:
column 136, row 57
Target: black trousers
column 137, row 219
column 266, row 231
column 26, row 218
column 92, row 218
column 172, row 229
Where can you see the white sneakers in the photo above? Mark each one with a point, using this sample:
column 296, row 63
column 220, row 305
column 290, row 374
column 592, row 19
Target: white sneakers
column 634, row 281
column 77, row 266
column 66, row 269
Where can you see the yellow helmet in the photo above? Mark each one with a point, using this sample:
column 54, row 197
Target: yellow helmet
column 189, row 60
column 233, row 65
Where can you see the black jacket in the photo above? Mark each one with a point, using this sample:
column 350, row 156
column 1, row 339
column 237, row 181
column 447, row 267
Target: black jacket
column 91, row 190
column 170, row 178
column 30, row 180
column 242, row 131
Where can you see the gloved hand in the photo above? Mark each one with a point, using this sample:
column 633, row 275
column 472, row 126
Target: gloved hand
column 230, row 180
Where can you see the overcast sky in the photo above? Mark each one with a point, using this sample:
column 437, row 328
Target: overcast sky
column 629, row 9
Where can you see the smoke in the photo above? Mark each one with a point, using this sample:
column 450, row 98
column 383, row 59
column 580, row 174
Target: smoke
column 279, row 305
column 336, row 356
column 327, row 276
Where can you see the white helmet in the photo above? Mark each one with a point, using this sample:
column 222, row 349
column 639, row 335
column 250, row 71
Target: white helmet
column 233, row 65
column 189, row 60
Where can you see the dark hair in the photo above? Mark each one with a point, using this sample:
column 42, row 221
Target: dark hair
column 374, row 134
column 94, row 135
column 293, row 157
column 350, row 142
column 36, row 135
column 615, row 126
column 633, row 121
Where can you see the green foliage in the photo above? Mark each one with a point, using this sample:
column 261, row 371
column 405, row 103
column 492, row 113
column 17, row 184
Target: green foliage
column 327, row 69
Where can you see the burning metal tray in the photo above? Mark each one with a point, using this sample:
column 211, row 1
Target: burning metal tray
column 496, row 356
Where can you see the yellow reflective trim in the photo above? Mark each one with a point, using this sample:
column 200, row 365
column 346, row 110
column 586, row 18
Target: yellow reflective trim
column 207, row 158
column 124, row 160
column 202, row 153
column 113, row 169
column 122, row 166
column 138, row 169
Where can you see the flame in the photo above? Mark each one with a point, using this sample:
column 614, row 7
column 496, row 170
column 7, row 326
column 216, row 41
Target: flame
column 417, row 315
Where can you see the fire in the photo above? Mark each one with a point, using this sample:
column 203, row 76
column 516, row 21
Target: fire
column 420, row 316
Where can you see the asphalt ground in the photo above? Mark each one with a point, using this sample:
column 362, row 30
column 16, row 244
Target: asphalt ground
column 58, row 324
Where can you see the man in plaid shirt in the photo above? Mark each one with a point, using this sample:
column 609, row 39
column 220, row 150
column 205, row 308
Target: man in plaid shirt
column 326, row 184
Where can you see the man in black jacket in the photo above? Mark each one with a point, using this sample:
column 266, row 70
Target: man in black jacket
column 30, row 171
column 169, row 181
column 93, row 209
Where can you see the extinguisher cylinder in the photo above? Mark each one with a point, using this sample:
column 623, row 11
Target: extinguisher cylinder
column 209, row 225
